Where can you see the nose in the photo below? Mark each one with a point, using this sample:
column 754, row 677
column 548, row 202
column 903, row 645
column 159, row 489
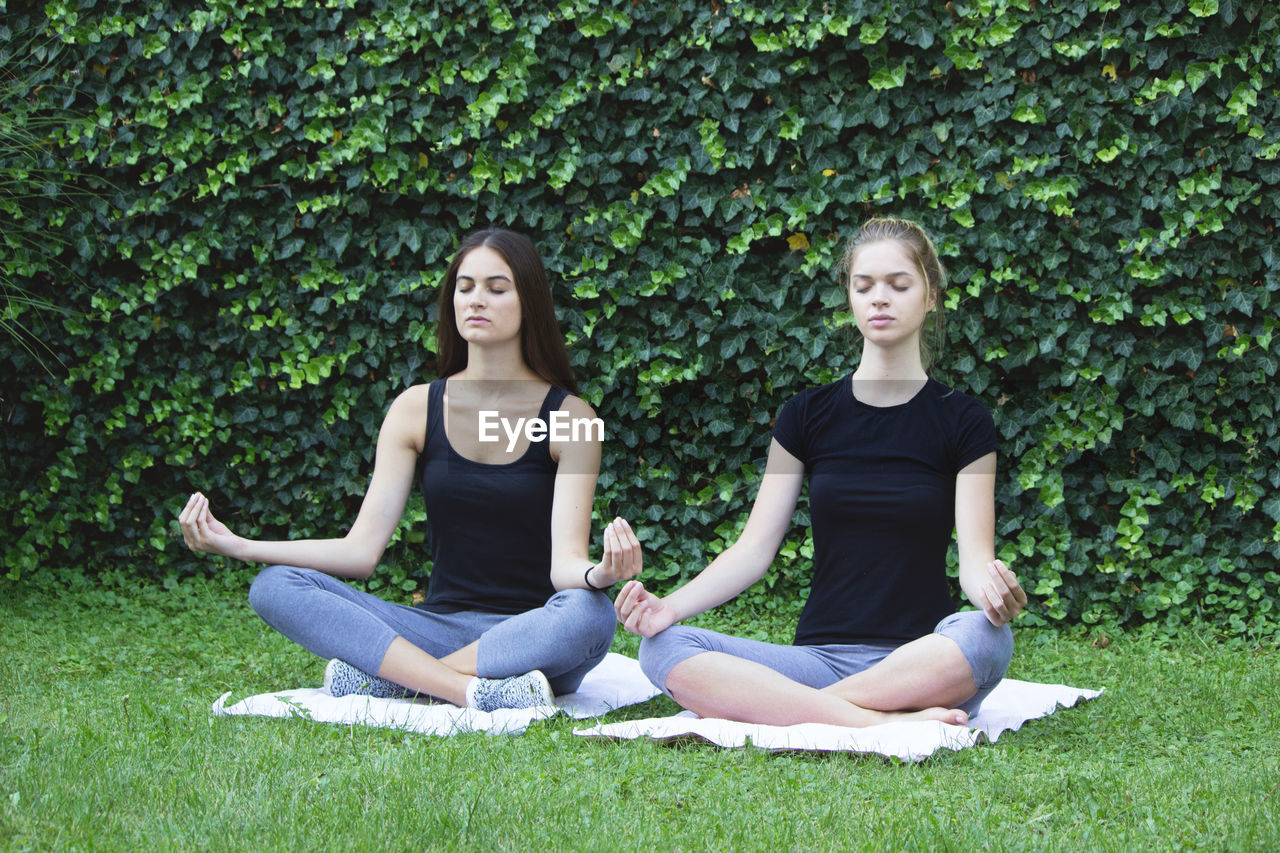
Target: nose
column 879, row 295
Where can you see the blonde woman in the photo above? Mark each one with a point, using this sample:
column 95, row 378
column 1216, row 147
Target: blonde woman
column 894, row 461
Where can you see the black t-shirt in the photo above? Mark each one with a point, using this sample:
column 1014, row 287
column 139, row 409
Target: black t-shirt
column 882, row 484
column 489, row 525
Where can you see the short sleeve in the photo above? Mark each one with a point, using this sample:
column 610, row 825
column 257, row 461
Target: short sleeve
column 976, row 433
column 789, row 428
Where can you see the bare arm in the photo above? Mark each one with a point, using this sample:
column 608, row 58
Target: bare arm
column 738, row 567
column 356, row 554
column 986, row 581
column 577, row 467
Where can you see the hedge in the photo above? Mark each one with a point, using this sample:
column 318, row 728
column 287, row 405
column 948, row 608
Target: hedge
column 241, row 212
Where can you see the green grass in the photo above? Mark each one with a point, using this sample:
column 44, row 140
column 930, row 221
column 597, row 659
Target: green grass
column 106, row 742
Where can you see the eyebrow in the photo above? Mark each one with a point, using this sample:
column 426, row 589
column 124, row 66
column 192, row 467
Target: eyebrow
column 890, row 275
column 487, row 278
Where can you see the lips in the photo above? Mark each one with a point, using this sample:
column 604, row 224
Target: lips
column 476, row 319
column 879, row 320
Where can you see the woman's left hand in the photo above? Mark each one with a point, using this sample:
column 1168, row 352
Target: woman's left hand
column 623, row 557
column 1003, row 597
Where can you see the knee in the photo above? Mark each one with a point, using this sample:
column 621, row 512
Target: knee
column 987, row 648
column 660, row 653
column 650, row 654
column 269, row 587
column 590, row 612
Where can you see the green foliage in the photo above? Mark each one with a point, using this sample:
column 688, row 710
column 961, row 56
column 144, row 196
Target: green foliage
column 33, row 185
column 288, row 180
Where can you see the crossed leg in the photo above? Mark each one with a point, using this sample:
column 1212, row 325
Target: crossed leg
column 928, row 672
column 435, row 654
column 941, row 676
column 715, row 684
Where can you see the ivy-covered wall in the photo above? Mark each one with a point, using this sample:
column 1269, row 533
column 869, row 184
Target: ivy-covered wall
column 242, row 211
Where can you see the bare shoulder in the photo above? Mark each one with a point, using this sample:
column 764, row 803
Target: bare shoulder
column 411, row 400
column 406, row 419
column 576, row 407
column 576, row 433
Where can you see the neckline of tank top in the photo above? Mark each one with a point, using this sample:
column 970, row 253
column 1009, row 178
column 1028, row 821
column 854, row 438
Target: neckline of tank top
column 444, row 433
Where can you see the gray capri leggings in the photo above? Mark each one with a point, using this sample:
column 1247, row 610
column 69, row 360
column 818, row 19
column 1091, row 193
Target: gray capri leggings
column 564, row 638
column 988, row 650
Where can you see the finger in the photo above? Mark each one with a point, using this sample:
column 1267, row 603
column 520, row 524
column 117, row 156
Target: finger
column 628, row 563
column 1006, row 587
column 204, row 523
column 611, row 543
column 989, row 610
column 624, row 556
column 1019, row 594
column 632, row 623
column 637, row 550
column 625, row 534
column 197, row 508
column 187, row 510
column 1012, row 595
column 622, row 603
column 626, row 600
column 1017, row 601
column 995, row 571
column 996, row 598
column 634, row 592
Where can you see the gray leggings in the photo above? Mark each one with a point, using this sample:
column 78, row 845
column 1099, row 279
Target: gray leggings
column 987, row 649
column 564, row 638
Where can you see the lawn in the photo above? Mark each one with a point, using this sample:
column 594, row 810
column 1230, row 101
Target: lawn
column 106, row 742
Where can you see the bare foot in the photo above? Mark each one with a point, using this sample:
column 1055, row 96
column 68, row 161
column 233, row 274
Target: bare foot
column 951, row 716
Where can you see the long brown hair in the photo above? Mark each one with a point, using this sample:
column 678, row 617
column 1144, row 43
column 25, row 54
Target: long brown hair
column 916, row 241
column 541, row 343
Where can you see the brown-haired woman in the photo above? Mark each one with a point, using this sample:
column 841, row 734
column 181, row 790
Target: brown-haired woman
column 895, row 461
column 513, row 611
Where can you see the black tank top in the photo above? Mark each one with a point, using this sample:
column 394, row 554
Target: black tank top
column 489, row 525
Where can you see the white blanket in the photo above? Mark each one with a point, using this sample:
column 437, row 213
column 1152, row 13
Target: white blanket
column 618, row 682
column 1007, row 707
column 615, row 682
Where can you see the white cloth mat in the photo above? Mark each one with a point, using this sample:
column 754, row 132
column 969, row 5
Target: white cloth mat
column 1007, row 707
column 617, row 681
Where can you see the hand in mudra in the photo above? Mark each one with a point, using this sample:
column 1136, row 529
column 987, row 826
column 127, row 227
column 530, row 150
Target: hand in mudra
column 201, row 531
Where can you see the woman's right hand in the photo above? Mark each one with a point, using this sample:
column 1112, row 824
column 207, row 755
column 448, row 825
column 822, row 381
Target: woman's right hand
column 641, row 612
column 202, row 532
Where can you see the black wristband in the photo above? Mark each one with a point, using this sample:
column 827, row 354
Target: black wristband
column 586, row 578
